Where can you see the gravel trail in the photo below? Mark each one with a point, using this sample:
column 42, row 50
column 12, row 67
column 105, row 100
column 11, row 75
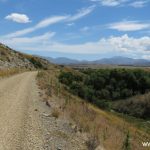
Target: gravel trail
column 23, row 124
column 19, row 126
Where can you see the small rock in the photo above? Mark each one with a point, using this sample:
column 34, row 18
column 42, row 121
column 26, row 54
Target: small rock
column 48, row 104
column 78, row 132
column 99, row 148
column 46, row 115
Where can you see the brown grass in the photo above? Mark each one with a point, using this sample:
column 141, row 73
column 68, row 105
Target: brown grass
column 92, row 143
column 55, row 113
column 9, row 72
column 102, row 127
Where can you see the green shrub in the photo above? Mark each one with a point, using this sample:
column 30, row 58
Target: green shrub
column 109, row 85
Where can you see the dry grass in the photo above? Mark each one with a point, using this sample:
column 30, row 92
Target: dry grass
column 102, row 127
column 9, row 72
column 109, row 129
column 55, row 113
column 92, row 143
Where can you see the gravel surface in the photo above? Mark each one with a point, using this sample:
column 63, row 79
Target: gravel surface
column 26, row 122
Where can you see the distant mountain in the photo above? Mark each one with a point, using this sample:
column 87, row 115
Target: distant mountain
column 117, row 60
column 62, row 60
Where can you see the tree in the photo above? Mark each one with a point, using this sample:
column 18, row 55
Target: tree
column 88, row 93
column 104, row 94
column 125, row 93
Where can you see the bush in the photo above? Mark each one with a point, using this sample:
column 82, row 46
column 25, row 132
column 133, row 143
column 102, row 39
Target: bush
column 138, row 106
column 102, row 104
column 106, row 85
column 55, row 113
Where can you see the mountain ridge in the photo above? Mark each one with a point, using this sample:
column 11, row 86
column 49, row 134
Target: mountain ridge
column 116, row 60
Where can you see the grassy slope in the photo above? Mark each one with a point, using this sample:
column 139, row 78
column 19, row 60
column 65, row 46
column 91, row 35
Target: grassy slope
column 9, row 72
column 109, row 129
column 9, row 55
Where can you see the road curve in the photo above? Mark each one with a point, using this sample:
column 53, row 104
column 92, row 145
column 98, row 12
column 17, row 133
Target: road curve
column 19, row 126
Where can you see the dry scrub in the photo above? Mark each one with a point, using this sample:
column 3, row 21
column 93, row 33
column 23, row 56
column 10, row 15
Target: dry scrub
column 55, row 113
column 9, row 72
column 101, row 127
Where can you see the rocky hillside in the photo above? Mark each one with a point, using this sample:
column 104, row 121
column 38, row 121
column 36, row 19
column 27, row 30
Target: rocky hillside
column 10, row 58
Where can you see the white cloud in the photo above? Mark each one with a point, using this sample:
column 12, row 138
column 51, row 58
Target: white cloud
column 81, row 13
column 110, row 3
column 84, row 29
column 29, row 40
column 19, row 18
column 129, row 26
column 42, row 24
column 139, row 4
column 22, row 43
column 130, row 44
column 70, row 24
column 53, row 20
column 113, row 3
column 146, row 57
column 136, row 47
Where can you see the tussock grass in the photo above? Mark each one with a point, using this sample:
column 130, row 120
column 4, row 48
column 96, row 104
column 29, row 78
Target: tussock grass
column 9, row 72
column 102, row 127
column 92, row 143
column 55, row 113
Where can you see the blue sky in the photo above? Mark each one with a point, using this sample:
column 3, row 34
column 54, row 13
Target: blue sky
column 79, row 29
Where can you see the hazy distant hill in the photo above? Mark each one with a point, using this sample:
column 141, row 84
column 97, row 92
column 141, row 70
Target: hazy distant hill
column 117, row 60
column 62, row 60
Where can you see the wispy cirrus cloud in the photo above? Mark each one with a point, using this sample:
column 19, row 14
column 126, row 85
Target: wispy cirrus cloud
column 128, row 46
column 19, row 18
column 114, row 3
column 42, row 24
column 110, row 3
column 129, row 26
column 52, row 20
column 29, row 40
column 139, row 4
column 84, row 29
column 81, row 13
column 70, row 24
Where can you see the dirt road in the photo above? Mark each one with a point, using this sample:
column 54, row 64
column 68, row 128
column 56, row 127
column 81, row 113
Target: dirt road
column 26, row 122
column 19, row 127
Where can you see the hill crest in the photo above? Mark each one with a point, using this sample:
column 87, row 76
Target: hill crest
column 10, row 58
